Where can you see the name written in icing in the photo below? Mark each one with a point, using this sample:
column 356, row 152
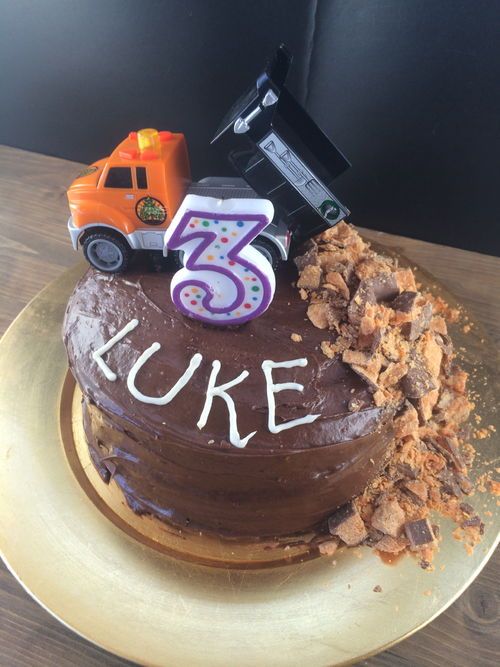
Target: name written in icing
column 213, row 390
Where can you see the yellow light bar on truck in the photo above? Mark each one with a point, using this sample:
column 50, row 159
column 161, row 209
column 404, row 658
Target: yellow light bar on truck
column 148, row 140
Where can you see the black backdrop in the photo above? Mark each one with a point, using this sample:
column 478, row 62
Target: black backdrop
column 408, row 89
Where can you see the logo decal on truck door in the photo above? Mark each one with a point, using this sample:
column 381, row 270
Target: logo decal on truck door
column 151, row 211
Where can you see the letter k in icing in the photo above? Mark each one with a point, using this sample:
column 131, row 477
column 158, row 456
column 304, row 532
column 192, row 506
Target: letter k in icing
column 221, row 392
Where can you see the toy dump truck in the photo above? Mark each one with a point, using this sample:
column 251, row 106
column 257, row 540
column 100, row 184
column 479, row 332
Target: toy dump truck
column 126, row 201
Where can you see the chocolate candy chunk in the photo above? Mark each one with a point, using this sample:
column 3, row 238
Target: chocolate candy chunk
column 467, row 509
column 473, row 522
column 419, row 533
column 418, row 381
column 449, row 484
column 445, row 343
column 406, row 470
column 363, row 296
column 447, row 448
column 464, row 482
column 404, row 302
column 310, row 277
column 416, row 490
column 378, row 336
column 412, row 330
column 310, row 257
column 392, row 545
column 340, row 515
column 389, row 518
column 384, row 287
column 347, row 524
column 366, row 365
column 367, row 375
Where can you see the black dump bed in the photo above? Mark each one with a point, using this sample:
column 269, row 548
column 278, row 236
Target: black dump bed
column 282, row 154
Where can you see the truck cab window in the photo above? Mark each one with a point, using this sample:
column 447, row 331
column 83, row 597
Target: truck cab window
column 142, row 181
column 119, row 177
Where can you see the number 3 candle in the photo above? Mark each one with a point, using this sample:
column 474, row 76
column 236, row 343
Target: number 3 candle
column 224, row 280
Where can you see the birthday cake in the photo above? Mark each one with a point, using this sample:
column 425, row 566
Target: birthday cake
column 338, row 408
column 247, row 398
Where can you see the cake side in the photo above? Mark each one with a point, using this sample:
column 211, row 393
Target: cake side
column 280, row 483
column 232, row 492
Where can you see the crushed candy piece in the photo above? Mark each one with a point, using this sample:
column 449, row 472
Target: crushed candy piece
column 347, row 524
column 419, row 533
column 389, row 518
column 379, row 323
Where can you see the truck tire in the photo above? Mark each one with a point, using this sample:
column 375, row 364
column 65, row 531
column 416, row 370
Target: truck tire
column 176, row 258
column 268, row 250
column 106, row 251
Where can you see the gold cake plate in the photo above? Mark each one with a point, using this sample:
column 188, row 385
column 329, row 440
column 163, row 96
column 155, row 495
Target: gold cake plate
column 114, row 582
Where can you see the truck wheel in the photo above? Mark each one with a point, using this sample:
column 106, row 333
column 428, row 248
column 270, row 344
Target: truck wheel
column 106, row 252
column 268, row 250
column 176, row 258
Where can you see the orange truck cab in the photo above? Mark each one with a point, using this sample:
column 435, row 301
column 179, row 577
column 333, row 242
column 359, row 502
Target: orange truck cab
column 126, row 201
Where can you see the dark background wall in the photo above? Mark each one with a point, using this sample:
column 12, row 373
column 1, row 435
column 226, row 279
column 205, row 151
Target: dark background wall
column 408, row 89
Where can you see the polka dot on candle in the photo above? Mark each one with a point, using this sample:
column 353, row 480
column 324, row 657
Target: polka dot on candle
column 234, row 233
column 193, row 302
column 205, row 223
column 248, row 305
column 194, row 290
column 186, row 294
column 254, row 298
column 221, row 257
column 224, row 239
column 255, row 288
column 210, row 258
column 216, row 222
column 191, row 224
column 231, row 263
column 254, row 279
column 240, row 223
column 224, row 229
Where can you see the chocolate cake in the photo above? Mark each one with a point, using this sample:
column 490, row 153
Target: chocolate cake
column 371, row 381
column 279, row 483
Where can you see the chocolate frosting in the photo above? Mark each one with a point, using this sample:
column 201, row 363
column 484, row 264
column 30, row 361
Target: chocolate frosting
column 279, row 483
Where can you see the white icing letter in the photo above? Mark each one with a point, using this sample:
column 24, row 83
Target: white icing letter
column 267, row 367
column 181, row 382
column 97, row 355
column 212, row 390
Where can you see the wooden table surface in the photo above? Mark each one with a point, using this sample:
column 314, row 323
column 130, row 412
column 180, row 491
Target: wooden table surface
column 35, row 249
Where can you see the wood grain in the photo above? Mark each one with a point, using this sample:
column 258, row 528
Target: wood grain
column 35, row 248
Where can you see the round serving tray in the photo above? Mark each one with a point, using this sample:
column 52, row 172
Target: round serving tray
column 136, row 600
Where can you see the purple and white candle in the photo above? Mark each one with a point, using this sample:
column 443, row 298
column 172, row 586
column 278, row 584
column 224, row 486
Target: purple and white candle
column 224, row 280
